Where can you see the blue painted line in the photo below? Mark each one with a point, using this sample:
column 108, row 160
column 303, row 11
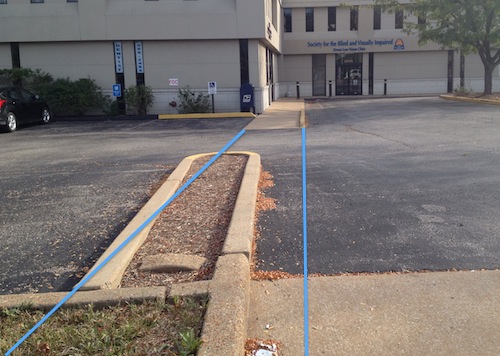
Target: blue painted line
column 304, row 217
column 124, row 243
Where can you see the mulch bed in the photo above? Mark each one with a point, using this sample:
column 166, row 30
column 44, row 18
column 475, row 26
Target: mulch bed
column 195, row 223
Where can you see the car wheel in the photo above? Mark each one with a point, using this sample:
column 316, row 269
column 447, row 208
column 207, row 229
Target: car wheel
column 45, row 116
column 11, row 122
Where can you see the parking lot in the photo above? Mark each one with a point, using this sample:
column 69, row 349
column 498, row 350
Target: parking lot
column 68, row 188
column 401, row 184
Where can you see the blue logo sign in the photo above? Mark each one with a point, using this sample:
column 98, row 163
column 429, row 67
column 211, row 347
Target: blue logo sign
column 399, row 44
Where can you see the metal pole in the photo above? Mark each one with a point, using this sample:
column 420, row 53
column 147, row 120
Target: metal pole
column 298, row 90
column 213, row 104
column 330, row 87
column 385, row 86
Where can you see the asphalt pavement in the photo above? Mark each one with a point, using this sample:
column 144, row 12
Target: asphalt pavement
column 401, row 184
column 68, row 189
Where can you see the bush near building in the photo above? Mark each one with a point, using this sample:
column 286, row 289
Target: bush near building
column 190, row 102
column 64, row 96
column 139, row 98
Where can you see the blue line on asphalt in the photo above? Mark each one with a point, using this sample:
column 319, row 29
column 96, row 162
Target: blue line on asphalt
column 124, row 243
column 304, row 209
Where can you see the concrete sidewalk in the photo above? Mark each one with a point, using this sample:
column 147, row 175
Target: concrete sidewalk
column 440, row 313
column 284, row 113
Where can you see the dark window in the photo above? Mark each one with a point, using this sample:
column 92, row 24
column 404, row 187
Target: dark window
column 399, row 18
column 269, row 67
column 354, row 18
column 37, row 1
column 309, row 19
column 3, row 1
column 16, row 58
column 332, row 19
column 287, row 13
column 13, row 94
column 244, row 66
column 421, row 20
column 27, row 95
column 377, row 17
column 71, row 0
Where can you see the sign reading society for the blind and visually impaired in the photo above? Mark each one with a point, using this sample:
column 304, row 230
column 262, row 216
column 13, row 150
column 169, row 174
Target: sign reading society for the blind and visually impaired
column 358, row 45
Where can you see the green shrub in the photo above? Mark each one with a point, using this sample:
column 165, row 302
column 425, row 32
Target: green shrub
column 190, row 102
column 26, row 78
column 112, row 109
column 462, row 91
column 64, row 96
column 139, row 98
column 75, row 97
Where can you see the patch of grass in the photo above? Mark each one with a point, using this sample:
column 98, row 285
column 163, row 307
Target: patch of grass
column 190, row 343
column 130, row 329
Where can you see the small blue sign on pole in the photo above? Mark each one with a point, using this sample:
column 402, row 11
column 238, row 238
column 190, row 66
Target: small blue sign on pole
column 117, row 90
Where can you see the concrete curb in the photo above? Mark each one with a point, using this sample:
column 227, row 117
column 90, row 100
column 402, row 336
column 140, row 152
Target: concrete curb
column 110, row 275
column 99, row 298
column 221, row 115
column 105, row 297
column 226, row 319
column 469, row 100
column 302, row 118
column 241, row 228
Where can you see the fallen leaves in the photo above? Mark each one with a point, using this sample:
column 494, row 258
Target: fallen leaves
column 273, row 275
column 43, row 348
column 263, row 202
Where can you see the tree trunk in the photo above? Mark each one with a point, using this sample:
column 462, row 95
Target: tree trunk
column 488, row 63
column 462, row 70
column 488, row 80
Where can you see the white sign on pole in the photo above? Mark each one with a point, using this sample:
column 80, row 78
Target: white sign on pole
column 118, row 57
column 212, row 88
column 173, row 82
column 139, row 57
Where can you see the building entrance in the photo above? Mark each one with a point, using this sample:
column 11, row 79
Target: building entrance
column 349, row 69
column 319, row 74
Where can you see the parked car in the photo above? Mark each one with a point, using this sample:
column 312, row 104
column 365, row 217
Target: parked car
column 19, row 106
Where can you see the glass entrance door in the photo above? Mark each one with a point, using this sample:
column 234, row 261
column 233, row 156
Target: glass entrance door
column 349, row 74
column 319, row 74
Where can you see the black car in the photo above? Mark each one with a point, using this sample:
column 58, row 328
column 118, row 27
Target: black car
column 19, row 106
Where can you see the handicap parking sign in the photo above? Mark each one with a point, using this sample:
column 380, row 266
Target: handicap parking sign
column 212, row 88
column 117, row 90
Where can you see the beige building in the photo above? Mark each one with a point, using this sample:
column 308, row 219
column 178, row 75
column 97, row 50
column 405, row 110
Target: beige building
column 327, row 47
column 356, row 49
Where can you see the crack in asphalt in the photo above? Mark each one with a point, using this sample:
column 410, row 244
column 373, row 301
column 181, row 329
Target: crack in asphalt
column 350, row 128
